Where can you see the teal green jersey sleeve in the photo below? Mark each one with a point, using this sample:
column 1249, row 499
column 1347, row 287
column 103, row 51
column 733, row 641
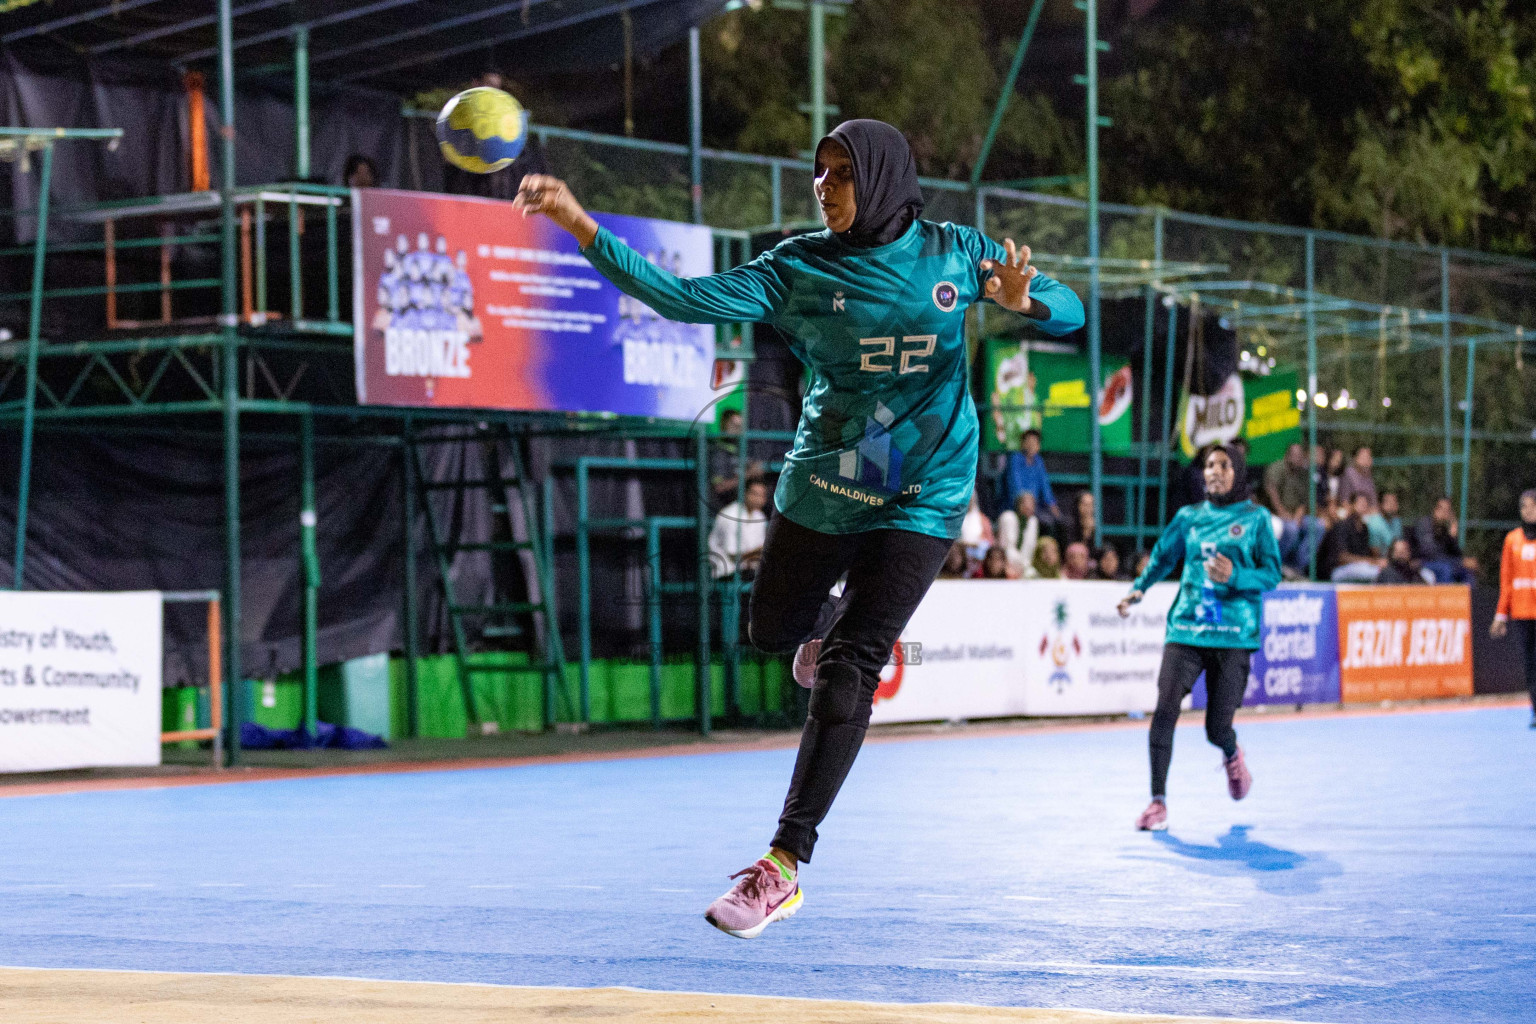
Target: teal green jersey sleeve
column 1066, row 308
column 888, row 434
column 750, row 293
column 1207, row 613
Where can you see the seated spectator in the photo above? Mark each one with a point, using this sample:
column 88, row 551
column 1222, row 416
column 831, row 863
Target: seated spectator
column 1018, row 531
column 360, row 172
column 956, row 565
column 994, row 566
column 1026, row 472
column 1109, row 567
column 1400, row 567
column 1286, row 489
column 1332, row 478
column 1385, row 524
column 976, row 530
column 1437, row 544
column 1143, row 559
column 1078, row 564
column 1358, row 479
column 738, row 534
column 1347, row 556
column 1047, row 559
column 725, row 460
column 1081, row 527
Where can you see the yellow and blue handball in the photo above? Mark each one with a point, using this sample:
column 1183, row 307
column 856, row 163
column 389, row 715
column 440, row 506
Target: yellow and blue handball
column 482, row 130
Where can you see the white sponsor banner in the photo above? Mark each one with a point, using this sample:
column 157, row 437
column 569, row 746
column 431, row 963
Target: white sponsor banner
column 995, row 648
column 79, row 680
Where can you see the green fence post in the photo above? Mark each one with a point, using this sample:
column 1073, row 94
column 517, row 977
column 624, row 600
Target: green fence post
column 1312, row 380
column 584, row 581
column 229, row 323
column 1445, row 361
column 653, row 612
column 409, row 627
column 301, row 102
column 332, row 285
column 695, row 125
column 1095, row 314
column 295, row 263
column 1163, row 454
column 1007, row 93
column 34, row 343
column 818, row 73
column 311, row 557
column 1466, row 432
column 704, row 576
column 776, row 182
column 1140, row 502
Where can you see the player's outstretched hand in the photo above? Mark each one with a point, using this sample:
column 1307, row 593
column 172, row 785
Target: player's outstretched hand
column 1009, row 284
column 1124, row 607
column 547, row 194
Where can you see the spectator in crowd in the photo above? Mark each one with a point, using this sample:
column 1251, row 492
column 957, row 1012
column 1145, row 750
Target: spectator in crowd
column 725, row 460
column 738, row 534
column 1081, row 527
column 1018, row 531
column 502, row 184
column 1333, row 472
column 1078, row 563
column 1286, row 487
column 1357, row 478
column 360, row 172
column 1143, row 559
column 993, row 566
column 1385, row 524
column 1517, row 591
column 1400, row 567
column 1108, row 567
column 976, row 530
column 1436, row 540
column 956, row 565
column 1026, row 472
column 1047, row 559
column 1347, row 555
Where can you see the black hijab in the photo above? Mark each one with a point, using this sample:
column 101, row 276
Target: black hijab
column 1239, row 489
column 885, row 189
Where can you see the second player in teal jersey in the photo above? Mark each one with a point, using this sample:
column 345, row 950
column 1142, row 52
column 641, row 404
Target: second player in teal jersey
column 884, row 460
column 1230, row 558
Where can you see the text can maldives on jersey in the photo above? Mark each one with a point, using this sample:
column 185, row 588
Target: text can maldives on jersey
column 888, row 433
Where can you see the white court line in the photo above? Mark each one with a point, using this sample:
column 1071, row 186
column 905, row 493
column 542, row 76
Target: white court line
column 1230, row 972
column 1517, row 915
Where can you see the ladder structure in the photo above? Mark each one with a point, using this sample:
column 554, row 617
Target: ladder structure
column 519, row 614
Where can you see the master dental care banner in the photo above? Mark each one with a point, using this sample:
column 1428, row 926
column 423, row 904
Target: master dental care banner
column 79, row 680
column 1298, row 660
column 995, row 648
column 463, row 302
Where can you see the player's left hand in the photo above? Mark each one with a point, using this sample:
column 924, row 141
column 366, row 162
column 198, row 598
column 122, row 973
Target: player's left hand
column 1009, row 284
column 1219, row 568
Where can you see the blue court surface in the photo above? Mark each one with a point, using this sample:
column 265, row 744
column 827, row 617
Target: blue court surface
column 1383, row 869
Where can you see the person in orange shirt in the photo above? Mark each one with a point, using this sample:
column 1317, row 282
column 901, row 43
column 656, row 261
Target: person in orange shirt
column 1517, row 591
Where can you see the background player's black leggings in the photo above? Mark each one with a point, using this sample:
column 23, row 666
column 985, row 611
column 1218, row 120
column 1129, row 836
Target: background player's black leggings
column 1226, row 677
column 889, row 571
column 1523, row 632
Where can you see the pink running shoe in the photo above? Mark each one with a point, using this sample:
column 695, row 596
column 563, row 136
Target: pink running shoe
column 1239, row 781
column 762, row 897
column 805, row 663
column 1154, row 818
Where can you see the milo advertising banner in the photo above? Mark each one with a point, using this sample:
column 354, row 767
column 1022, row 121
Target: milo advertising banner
column 1261, row 409
column 1048, row 391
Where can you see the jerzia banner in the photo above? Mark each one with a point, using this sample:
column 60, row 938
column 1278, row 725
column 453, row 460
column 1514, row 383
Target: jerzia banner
column 463, row 302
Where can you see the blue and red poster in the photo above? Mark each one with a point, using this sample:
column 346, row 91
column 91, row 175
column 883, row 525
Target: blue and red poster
column 461, row 302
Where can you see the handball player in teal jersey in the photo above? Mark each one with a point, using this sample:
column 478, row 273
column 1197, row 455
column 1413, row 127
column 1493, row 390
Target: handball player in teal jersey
column 1230, row 558
column 884, row 460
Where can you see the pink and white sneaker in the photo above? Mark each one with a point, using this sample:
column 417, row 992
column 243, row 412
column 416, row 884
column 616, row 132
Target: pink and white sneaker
column 805, row 663
column 1154, row 818
column 763, row 895
column 1239, row 781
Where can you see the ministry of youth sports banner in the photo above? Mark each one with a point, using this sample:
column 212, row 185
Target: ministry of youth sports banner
column 463, row 302
column 79, row 680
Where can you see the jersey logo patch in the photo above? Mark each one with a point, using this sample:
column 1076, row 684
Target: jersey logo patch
column 1528, row 553
column 946, row 296
column 1236, row 530
column 838, row 302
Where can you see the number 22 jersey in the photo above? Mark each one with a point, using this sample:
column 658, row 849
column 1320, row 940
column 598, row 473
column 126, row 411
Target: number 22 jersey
column 888, row 433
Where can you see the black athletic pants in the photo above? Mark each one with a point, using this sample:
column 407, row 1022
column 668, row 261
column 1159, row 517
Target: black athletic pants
column 889, row 571
column 1226, row 678
column 1523, row 632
